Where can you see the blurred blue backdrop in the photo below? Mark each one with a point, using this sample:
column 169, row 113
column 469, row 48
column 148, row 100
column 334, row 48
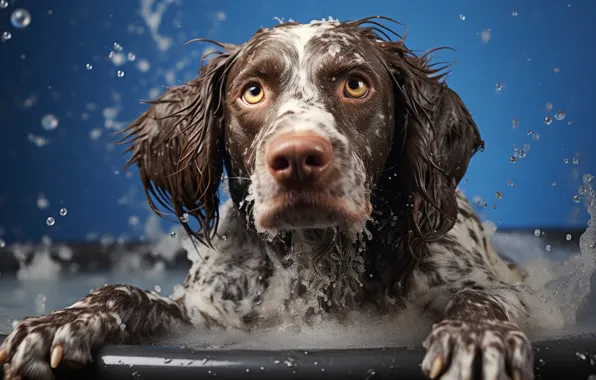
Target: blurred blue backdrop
column 518, row 62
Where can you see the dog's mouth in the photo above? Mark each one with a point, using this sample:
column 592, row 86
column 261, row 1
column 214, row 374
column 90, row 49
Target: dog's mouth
column 307, row 210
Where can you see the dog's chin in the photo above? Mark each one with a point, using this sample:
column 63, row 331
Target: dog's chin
column 295, row 211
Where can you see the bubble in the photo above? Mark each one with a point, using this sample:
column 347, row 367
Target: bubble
column 514, row 13
column 95, row 134
column 515, row 123
column 6, row 36
column 529, row 132
column 522, row 154
column 63, row 212
column 49, row 122
column 120, row 73
column 131, row 56
column 499, row 87
column 157, row 288
column 588, row 178
column 512, row 159
column 536, row 136
column 565, row 160
column 568, row 237
column 89, row 66
column 510, row 183
column 548, row 248
column 576, row 199
column 560, row 115
column 117, row 46
column 575, row 161
column 548, row 120
column 554, row 183
column 499, row 195
column 184, row 218
column 20, row 18
column 569, row 122
column 173, row 234
column 50, row 221
column 462, row 17
column 583, row 189
column 548, row 106
column 2, row 243
column 556, row 70
column 3, row 4
column 536, row 232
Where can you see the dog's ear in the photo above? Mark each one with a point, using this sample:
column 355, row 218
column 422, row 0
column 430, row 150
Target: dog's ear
column 435, row 137
column 177, row 144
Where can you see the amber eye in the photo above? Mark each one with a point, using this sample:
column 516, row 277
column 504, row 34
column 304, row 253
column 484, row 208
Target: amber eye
column 355, row 88
column 253, row 94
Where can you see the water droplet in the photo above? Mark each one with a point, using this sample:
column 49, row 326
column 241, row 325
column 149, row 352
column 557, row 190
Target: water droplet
column 510, row 183
column 528, row 132
column 565, row 160
column 512, row 159
column 556, row 69
column 569, row 122
column 63, row 212
column 583, row 189
column 184, row 218
column 131, row 56
column 173, row 234
column 522, row 154
column 89, row 66
column 499, row 195
column 498, row 87
column 568, row 237
column 3, row 4
column 536, row 136
column 548, row 248
column 157, row 288
column 2, row 243
column 514, row 13
column 575, row 160
column 120, row 73
column 548, row 120
column 20, row 18
column 577, row 199
column 554, row 183
column 117, row 46
column 515, row 123
column 588, row 178
column 50, row 221
column 49, row 122
column 536, row 232
column 6, row 36
column 560, row 115
column 462, row 17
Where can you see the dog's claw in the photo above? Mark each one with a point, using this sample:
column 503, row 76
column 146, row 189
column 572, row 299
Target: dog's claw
column 436, row 367
column 56, row 357
column 3, row 356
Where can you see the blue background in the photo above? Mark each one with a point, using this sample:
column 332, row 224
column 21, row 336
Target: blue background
column 42, row 70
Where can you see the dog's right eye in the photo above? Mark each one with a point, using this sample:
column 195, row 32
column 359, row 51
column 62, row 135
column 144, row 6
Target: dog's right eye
column 253, row 94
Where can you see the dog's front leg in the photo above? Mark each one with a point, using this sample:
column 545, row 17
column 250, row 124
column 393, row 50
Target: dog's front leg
column 112, row 314
column 479, row 338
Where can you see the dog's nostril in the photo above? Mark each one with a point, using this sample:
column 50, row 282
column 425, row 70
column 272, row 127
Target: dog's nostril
column 279, row 163
column 315, row 160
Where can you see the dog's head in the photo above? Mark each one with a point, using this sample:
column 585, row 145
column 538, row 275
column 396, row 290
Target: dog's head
column 316, row 124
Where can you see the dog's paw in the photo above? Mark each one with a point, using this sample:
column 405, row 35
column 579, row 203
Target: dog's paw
column 39, row 344
column 477, row 350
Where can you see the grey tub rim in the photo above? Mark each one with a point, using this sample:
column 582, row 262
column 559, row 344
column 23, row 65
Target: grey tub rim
column 561, row 358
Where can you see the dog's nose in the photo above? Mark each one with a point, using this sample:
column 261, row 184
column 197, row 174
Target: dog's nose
column 299, row 159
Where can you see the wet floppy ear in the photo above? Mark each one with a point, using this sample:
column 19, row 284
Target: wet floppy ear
column 438, row 138
column 177, row 145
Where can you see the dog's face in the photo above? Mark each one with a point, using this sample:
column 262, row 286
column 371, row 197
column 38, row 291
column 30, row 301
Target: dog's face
column 309, row 118
column 319, row 125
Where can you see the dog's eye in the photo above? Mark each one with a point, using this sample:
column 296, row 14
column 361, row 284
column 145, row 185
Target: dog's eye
column 355, row 88
column 253, row 94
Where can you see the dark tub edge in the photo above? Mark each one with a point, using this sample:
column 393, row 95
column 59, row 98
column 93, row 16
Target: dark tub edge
column 564, row 358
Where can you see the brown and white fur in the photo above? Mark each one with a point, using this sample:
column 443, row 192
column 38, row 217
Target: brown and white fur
column 343, row 170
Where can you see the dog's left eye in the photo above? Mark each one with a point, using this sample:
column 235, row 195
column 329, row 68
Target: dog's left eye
column 355, row 88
